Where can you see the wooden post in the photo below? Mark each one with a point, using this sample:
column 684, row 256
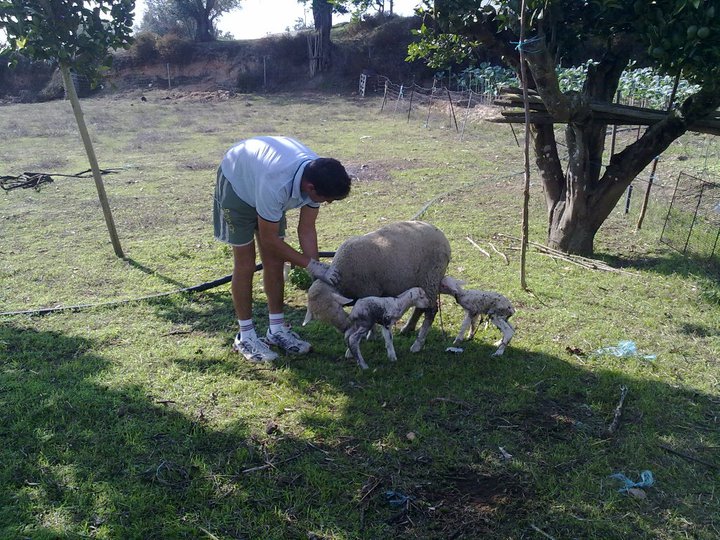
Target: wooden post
column 526, row 185
column 75, row 102
column 467, row 112
column 412, row 93
column 384, row 96
column 400, row 95
column 168, row 74
column 646, row 198
column 452, row 110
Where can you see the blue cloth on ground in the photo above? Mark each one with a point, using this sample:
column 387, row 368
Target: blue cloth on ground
column 646, row 480
column 624, row 349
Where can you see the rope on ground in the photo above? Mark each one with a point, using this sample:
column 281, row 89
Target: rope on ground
column 34, row 180
column 208, row 284
column 195, row 288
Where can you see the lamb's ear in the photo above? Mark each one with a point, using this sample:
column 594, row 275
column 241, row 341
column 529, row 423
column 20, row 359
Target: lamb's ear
column 341, row 299
column 308, row 317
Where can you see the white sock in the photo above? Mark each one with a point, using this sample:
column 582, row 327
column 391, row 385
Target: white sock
column 247, row 329
column 277, row 322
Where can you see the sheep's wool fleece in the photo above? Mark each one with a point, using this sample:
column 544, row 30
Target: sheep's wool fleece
column 392, row 259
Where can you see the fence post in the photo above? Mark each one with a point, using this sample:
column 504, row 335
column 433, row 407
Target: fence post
column 452, row 110
column 384, row 96
column 467, row 113
column 363, row 82
column 400, row 95
column 412, row 93
column 628, row 195
column 647, row 194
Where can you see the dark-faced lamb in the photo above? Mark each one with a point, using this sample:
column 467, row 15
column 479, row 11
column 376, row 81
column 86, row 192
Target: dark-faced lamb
column 478, row 303
column 386, row 262
column 383, row 311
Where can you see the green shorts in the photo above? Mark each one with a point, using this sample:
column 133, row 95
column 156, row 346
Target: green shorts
column 235, row 221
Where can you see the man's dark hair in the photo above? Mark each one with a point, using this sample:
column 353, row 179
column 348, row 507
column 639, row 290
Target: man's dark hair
column 329, row 178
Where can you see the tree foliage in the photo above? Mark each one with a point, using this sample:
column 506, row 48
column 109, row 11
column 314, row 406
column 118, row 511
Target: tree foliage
column 676, row 37
column 76, row 33
column 191, row 19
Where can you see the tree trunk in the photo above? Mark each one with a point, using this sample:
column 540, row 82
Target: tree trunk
column 204, row 31
column 322, row 15
column 80, row 119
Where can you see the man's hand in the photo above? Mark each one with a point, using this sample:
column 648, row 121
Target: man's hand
column 323, row 272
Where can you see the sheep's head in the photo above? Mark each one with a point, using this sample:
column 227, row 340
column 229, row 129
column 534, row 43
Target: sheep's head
column 326, row 304
column 450, row 285
column 419, row 298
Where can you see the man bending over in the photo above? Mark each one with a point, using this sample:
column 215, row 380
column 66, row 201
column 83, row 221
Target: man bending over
column 259, row 179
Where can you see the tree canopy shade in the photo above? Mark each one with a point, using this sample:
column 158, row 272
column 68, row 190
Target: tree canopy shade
column 78, row 35
column 204, row 13
column 677, row 37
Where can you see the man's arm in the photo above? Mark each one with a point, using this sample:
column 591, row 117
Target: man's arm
column 275, row 246
column 307, row 233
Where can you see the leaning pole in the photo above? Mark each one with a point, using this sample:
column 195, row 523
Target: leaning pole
column 72, row 94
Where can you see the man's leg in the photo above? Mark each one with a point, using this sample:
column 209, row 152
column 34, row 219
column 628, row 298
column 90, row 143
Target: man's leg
column 274, row 283
column 242, row 277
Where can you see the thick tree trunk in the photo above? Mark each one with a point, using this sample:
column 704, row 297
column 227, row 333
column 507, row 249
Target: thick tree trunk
column 322, row 16
column 204, row 31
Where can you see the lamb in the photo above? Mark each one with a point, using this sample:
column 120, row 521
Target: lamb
column 385, row 311
column 477, row 303
column 386, row 262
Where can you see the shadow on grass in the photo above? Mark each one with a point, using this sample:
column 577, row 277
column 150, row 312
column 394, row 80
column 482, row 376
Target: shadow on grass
column 431, row 427
column 669, row 263
column 150, row 272
column 81, row 459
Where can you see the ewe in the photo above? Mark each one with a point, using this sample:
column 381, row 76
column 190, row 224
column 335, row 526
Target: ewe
column 386, row 262
column 385, row 311
column 477, row 303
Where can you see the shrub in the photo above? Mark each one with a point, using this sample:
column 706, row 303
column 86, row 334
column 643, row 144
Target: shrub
column 174, row 49
column 144, row 48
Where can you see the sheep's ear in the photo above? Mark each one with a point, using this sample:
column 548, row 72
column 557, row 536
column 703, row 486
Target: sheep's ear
column 308, row 317
column 341, row 299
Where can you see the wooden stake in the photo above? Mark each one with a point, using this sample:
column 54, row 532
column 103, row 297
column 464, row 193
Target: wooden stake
column 94, row 167
column 526, row 186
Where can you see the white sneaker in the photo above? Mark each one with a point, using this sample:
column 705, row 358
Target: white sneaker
column 254, row 350
column 288, row 340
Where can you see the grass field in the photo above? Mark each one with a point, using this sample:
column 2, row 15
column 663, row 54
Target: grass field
column 135, row 419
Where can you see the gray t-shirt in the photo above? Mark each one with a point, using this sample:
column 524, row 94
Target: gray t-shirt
column 265, row 172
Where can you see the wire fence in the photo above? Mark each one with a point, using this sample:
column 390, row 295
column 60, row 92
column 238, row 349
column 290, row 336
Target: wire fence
column 686, row 209
column 692, row 222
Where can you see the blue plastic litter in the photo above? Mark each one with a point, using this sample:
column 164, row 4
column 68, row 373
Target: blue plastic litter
column 395, row 498
column 646, row 480
column 624, row 349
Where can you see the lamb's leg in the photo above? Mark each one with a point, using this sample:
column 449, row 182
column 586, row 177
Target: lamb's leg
column 353, row 343
column 424, row 329
column 467, row 322
column 387, row 334
column 412, row 321
column 474, row 325
column 507, row 331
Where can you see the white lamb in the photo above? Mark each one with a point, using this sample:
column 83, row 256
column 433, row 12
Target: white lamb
column 386, row 262
column 384, row 311
column 477, row 303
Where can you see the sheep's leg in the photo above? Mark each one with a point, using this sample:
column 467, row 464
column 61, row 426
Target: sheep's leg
column 507, row 331
column 423, row 332
column 474, row 325
column 387, row 334
column 467, row 322
column 412, row 321
column 372, row 333
column 353, row 343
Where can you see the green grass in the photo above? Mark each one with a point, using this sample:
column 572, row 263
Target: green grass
column 137, row 421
